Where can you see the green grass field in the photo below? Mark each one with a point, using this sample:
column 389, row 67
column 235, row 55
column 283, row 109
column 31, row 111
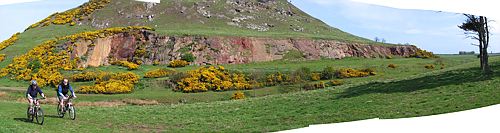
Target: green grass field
column 408, row 91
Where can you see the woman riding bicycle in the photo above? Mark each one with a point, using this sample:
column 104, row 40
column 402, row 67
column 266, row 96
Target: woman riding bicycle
column 62, row 92
column 32, row 92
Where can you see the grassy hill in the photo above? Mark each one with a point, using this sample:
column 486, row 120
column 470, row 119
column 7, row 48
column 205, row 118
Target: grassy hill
column 408, row 91
column 262, row 18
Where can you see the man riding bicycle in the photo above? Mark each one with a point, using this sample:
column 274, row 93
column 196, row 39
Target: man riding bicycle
column 62, row 92
column 32, row 92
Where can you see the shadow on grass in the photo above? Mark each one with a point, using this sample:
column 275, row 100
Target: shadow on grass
column 23, row 120
column 454, row 77
column 52, row 116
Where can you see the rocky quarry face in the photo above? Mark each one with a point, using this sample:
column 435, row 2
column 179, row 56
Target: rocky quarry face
column 149, row 48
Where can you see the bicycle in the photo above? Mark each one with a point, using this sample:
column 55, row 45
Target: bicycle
column 36, row 111
column 68, row 107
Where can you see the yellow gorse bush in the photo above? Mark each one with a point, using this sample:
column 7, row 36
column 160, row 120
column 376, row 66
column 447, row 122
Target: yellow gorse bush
column 10, row 41
column 41, row 64
column 214, row 78
column 424, row 54
column 2, row 57
column 111, row 83
column 73, row 15
column 44, row 62
column 238, row 95
column 315, row 76
column 128, row 65
column 158, row 73
column 351, row 73
column 277, row 78
column 87, row 76
column 178, row 63
column 430, row 66
column 336, row 82
column 392, row 66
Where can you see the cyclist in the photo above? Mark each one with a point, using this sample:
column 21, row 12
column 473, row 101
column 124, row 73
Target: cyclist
column 62, row 92
column 32, row 92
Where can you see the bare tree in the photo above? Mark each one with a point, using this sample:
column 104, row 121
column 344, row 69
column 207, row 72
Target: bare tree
column 476, row 27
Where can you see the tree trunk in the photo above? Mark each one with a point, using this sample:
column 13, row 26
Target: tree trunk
column 484, row 38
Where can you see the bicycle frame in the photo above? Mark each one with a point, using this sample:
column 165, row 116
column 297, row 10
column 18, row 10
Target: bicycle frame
column 68, row 101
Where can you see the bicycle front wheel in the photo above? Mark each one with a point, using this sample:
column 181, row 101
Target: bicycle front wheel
column 39, row 116
column 72, row 112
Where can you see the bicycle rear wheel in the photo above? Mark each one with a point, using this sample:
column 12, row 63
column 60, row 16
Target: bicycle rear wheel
column 72, row 112
column 59, row 113
column 28, row 113
column 39, row 116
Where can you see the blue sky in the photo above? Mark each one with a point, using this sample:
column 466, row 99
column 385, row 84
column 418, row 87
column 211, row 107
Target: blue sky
column 430, row 30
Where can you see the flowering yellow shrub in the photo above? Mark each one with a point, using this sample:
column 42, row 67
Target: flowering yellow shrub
column 315, row 76
column 10, row 41
column 110, row 83
column 314, row 86
column 86, row 76
column 73, row 15
column 44, row 62
column 41, row 64
column 214, row 78
column 178, row 63
column 2, row 57
column 129, row 65
column 336, row 82
column 430, row 66
column 108, row 87
column 238, row 95
column 350, row 73
column 424, row 54
column 156, row 62
column 158, row 73
column 392, row 66
column 129, row 77
column 277, row 78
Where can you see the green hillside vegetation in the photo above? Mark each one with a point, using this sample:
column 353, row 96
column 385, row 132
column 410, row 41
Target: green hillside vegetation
column 407, row 91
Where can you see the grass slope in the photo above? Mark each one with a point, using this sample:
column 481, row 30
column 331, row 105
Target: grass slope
column 459, row 87
column 185, row 17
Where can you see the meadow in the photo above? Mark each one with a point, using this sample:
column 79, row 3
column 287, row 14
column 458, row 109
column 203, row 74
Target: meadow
column 410, row 90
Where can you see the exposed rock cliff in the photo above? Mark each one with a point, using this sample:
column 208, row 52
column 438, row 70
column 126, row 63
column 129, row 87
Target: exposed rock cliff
column 148, row 47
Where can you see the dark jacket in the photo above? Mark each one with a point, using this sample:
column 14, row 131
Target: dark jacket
column 33, row 91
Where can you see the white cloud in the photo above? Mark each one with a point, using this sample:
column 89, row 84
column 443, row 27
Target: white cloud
column 479, row 7
column 8, row 2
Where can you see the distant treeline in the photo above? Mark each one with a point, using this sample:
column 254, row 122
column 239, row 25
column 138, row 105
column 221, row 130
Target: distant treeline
column 466, row 53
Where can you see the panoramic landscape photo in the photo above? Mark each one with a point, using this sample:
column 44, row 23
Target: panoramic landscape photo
column 236, row 65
